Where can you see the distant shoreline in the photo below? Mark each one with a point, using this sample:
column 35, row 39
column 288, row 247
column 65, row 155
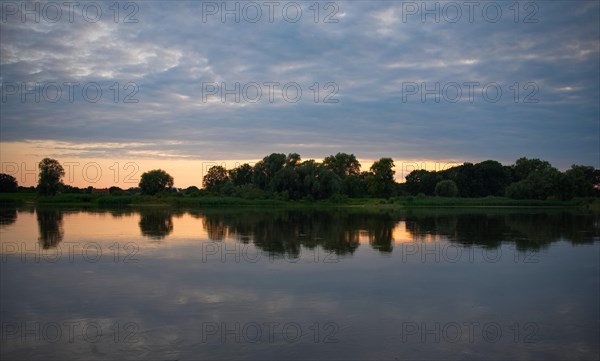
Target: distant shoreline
column 104, row 201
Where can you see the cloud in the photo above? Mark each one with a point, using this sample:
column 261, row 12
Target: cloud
column 365, row 60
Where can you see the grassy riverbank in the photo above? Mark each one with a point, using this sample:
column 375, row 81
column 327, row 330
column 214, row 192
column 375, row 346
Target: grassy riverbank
column 215, row 201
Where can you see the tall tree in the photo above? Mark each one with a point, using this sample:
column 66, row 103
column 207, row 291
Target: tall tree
column 241, row 175
column 265, row 170
column 583, row 181
column 381, row 181
column 342, row 164
column 155, row 181
column 523, row 167
column 421, row 181
column 215, row 179
column 51, row 173
column 541, row 183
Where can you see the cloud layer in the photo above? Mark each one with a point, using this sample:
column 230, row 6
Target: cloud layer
column 401, row 80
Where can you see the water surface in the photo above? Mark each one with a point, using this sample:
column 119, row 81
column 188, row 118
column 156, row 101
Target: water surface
column 255, row 284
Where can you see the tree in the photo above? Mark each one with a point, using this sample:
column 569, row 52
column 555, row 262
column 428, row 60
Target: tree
column 381, row 182
column 241, row 175
column 342, row 164
column 583, row 181
column 315, row 181
column 326, row 184
column 49, row 181
column 259, row 175
column 488, row 178
column 292, row 160
column 155, row 181
column 354, row 186
column 446, row 188
column 541, row 183
column 215, row 179
column 523, row 167
column 421, row 181
column 286, row 180
column 114, row 190
column 493, row 178
column 8, row 183
column 265, row 170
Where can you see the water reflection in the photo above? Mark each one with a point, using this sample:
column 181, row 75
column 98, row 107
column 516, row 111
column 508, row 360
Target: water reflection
column 284, row 232
column 370, row 298
column 380, row 231
column 156, row 223
column 532, row 230
column 8, row 216
column 50, row 224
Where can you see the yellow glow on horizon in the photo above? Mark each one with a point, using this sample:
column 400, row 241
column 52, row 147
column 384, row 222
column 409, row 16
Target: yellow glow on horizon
column 20, row 160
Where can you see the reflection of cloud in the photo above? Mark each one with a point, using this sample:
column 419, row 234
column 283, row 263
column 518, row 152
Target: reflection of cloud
column 170, row 293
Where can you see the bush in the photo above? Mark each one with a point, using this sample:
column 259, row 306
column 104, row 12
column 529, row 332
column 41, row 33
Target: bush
column 446, row 188
column 249, row 191
column 338, row 198
column 8, row 184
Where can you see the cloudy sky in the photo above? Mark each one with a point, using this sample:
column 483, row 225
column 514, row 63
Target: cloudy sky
column 179, row 84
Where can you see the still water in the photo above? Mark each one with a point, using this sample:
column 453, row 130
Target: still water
column 260, row 284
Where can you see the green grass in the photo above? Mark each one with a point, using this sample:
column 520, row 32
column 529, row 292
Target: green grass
column 17, row 198
column 486, row 202
column 94, row 200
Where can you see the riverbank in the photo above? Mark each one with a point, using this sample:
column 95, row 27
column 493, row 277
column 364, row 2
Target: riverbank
column 93, row 200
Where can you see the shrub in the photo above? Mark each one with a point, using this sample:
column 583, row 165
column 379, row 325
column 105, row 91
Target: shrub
column 446, row 188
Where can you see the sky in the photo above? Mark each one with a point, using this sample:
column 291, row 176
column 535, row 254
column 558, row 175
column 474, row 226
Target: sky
column 113, row 89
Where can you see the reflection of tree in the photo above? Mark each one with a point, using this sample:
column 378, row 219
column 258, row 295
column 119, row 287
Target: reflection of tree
column 380, row 231
column 8, row 216
column 215, row 227
column 50, row 227
column 156, row 223
column 528, row 230
column 120, row 212
column 285, row 232
column 537, row 230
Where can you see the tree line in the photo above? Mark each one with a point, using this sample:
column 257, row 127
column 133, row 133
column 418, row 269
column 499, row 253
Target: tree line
column 288, row 177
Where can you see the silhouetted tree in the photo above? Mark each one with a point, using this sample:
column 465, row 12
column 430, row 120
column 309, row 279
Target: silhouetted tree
column 241, row 175
column 316, row 182
column 114, row 190
column 215, row 178
column 8, row 183
column 523, row 167
column 540, row 183
column 50, row 176
column 421, row 181
column 155, row 181
column 582, row 181
column 342, row 164
column 265, row 170
column 381, row 182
